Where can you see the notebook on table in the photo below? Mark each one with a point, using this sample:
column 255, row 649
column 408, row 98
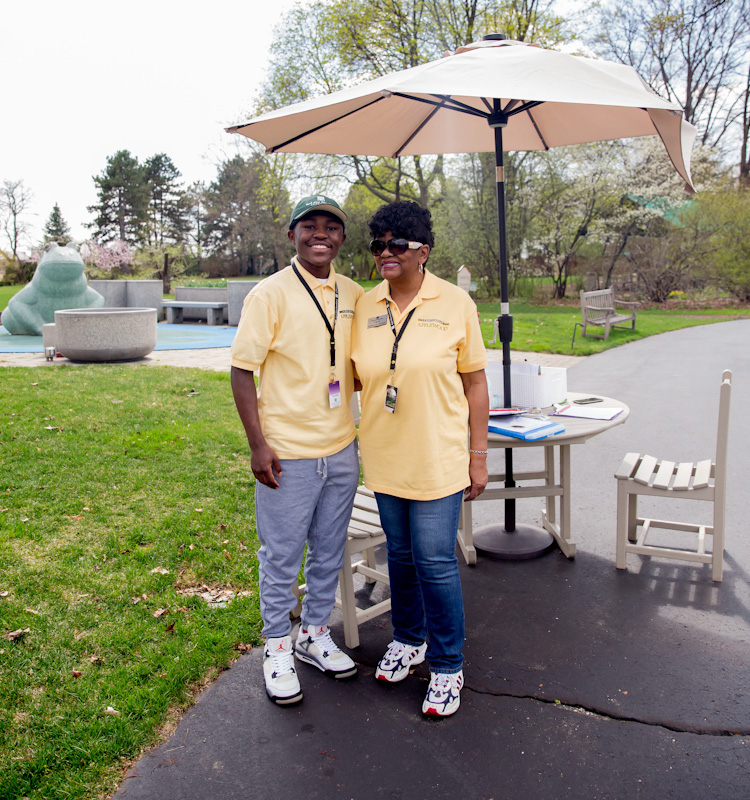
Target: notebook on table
column 527, row 428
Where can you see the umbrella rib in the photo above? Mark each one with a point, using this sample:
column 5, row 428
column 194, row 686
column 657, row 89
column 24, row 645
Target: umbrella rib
column 419, row 128
column 526, row 106
column 463, row 107
column 536, row 128
column 446, row 102
column 319, row 127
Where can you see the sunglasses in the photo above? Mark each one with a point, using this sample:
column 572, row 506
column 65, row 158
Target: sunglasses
column 396, row 247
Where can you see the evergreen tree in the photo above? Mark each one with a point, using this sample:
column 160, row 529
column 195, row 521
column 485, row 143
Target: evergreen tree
column 56, row 228
column 168, row 210
column 122, row 210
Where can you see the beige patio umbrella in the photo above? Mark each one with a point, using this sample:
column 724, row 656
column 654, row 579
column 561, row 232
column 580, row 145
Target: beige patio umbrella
column 489, row 96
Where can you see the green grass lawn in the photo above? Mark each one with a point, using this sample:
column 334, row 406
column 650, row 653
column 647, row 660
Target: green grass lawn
column 123, row 491
column 6, row 292
column 549, row 328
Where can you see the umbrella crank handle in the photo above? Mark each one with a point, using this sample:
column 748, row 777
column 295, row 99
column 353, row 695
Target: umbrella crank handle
column 504, row 327
column 507, row 328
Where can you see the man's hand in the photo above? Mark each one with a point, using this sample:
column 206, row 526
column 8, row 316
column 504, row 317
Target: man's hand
column 263, row 460
column 266, row 466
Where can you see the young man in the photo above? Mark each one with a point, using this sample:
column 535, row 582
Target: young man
column 295, row 333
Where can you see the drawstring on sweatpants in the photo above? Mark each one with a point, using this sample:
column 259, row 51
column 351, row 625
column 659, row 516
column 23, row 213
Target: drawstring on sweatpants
column 322, row 469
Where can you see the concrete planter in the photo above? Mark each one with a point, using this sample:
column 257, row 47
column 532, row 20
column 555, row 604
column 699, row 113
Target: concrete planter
column 105, row 334
column 237, row 291
column 196, row 294
column 131, row 294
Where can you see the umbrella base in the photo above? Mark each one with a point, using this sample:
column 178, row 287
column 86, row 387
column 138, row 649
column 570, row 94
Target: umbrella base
column 525, row 542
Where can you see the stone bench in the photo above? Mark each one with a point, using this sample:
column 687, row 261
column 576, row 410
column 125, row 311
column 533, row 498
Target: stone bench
column 214, row 311
column 209, row 294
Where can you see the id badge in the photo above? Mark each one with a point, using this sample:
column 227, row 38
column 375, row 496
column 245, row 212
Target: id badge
column 334, row 394
column 376, row 322
column 391, row 395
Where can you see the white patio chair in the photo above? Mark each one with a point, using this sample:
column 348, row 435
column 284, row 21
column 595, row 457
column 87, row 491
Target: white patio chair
column 702, row 480
column 363, row 536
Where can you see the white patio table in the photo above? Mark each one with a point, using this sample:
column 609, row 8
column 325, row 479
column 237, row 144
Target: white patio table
column 553, row 483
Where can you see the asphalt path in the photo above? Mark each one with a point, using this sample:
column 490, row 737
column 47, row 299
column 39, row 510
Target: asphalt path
column 582, row 681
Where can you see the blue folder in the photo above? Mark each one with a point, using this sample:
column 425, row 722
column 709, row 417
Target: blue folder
column 527, row 428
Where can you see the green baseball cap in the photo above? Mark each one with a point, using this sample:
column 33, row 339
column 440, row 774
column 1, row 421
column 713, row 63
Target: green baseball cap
column 316, row 202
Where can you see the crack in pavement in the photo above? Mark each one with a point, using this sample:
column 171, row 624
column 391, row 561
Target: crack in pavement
column 614, row 716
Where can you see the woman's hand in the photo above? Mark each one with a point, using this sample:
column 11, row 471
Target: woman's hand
column 477, row 396
column 477, row 475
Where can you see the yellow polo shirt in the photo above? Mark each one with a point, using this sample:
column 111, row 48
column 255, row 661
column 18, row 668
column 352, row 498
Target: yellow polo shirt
column 421, row 451
column 282, row 338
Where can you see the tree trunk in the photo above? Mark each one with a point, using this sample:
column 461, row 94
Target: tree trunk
column 613, row 261
column 166, row 276
column 744, row 155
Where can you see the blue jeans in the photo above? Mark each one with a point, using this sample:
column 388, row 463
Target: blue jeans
column 426, row 595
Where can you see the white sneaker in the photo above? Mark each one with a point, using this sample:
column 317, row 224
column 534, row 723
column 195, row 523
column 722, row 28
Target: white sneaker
column 282, row 684
column 315, row 646
column 444, row 695
column 395, row 664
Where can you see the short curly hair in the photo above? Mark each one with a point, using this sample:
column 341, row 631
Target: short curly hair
column 404, row 219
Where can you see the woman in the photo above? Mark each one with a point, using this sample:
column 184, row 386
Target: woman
column 418, row 352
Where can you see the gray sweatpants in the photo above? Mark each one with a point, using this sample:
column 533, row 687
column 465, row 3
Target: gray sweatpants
column 312, row 505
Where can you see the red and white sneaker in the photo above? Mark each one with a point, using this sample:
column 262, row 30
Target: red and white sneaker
column 444, row 695
column 282, row 684
column 398, row 659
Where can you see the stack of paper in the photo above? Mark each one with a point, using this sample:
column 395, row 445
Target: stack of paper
column 504, row 412
column 588, row 412
column 527, row 428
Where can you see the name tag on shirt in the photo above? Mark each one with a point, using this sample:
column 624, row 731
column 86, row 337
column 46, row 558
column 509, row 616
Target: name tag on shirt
column 376, row 322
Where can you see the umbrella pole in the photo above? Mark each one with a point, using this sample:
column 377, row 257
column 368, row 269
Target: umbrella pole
column 505, row 320
column 508, row 541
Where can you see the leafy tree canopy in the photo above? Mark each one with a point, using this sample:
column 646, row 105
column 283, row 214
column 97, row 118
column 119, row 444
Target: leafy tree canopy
column 337, row 43
column 244, row 212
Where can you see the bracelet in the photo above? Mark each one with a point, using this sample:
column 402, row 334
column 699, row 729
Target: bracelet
column 479, row 452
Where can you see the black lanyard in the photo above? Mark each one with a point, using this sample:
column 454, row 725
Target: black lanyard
column 331, row 328
column 397, row 337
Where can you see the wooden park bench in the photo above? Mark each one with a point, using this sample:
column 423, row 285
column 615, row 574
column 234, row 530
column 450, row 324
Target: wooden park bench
column 600, row 309
column 214, row 311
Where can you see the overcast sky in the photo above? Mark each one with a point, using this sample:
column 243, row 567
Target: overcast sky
column 82, row 79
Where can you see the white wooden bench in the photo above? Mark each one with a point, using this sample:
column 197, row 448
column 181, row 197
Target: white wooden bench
column 601, row 309
column 214, row 311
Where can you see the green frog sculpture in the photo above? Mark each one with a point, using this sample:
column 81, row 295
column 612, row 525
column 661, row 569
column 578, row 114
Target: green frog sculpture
column 58, row 283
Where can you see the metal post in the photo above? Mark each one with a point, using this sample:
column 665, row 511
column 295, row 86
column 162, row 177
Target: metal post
column 505, row 320
column 508, row 541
